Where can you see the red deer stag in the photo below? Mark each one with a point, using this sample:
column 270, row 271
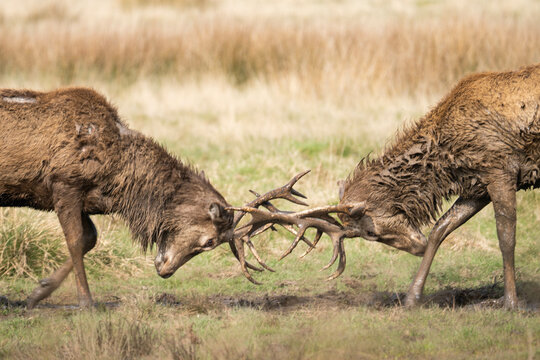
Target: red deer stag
column 481, row 143
column 68, row 151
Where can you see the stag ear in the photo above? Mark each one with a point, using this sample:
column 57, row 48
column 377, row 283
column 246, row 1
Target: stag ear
column 357, row 209
column 341, row 185
column 217, row 213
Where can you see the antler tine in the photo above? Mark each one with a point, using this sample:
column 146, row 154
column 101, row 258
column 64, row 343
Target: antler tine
column 237, row 256
column 256, row 255
column 299, row 235
column 315, row 242
column 285, row 192
column 336, row 233
column 239, row 245
column 322, row 213
column 342, row 261
column 244, row 233
column 290, row 228
column 340, row 246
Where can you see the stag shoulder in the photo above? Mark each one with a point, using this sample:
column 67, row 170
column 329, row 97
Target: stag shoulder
column 497, row 102
column 71, row 135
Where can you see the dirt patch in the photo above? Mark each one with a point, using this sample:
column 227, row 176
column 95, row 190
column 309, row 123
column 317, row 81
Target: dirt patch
column 5, row 303
column 489, row 296
column 448, row 298
column 265, row 302
column 167, row 299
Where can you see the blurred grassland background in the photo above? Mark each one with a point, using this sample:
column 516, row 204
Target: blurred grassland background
column 254, row 92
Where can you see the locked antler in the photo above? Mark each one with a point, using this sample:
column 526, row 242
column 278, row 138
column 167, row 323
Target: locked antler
column 243, row 234
column 317, row 218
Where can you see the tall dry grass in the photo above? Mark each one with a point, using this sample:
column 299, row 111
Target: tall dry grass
column 338, row 58
column 28, row 248
column 132, row 336
column 32, row 246
column 110, row 339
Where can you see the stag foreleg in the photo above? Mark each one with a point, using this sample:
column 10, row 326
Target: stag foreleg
column 461, row 211
column 48, row 285
column 503, row 195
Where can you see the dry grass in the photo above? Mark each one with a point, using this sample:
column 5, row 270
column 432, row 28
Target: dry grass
column 343, row 59
column 110, row 339
column 32, row 246
column 174, row 3
column 28, row 248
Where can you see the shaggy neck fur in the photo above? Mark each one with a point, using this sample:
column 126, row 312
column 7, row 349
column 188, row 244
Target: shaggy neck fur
column 409, row 176
column 149, row 186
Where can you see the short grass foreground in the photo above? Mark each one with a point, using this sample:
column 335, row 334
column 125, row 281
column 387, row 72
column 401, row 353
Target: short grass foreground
column 254, row 92
column 209, row 310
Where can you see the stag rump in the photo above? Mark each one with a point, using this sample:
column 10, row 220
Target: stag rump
column 481, row 143
column 68, row 151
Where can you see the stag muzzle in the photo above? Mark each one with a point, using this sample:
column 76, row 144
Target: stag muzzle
column 414, row 244
column 162, row 266
column 166, row 265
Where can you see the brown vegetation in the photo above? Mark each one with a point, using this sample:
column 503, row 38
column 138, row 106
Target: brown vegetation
column 347, row 58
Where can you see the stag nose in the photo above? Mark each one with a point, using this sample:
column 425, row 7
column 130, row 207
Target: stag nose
column 160, row 262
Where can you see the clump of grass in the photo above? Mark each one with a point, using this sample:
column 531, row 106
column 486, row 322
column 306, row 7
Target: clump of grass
column 115, row 251
column 29, row 248
column 130, row 336
column 184, row 346
column 34, row 246
column 109, row 338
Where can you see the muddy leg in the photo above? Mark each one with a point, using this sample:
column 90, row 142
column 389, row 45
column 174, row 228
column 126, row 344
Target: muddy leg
column 503, row 195
column 48, row 285
column 458, row 214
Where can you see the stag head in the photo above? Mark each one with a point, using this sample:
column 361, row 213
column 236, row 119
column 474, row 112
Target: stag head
column 377, row 219
column 195, row 227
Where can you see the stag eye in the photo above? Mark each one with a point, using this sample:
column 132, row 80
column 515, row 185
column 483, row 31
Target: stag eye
column 209, row 243
column 371, row 233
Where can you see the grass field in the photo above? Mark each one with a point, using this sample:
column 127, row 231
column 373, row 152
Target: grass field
column 254, row 92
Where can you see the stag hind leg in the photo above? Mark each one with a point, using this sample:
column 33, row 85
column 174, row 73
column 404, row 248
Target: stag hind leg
column 48, row 285
column 461, row 211
column 503, row 196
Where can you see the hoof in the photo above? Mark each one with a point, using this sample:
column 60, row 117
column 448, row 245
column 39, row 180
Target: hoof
column 412, row 302
column 44, row 289
column 511, row 303
column 86, row 304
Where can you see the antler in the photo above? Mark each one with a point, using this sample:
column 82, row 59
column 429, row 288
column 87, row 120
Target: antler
column 317, row 218
column 244, row 233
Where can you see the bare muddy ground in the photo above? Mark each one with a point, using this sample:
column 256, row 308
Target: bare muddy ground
column 488, row 296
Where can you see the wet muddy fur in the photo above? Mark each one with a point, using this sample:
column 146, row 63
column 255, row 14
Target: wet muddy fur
column 480, row 143
column 68, row 151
